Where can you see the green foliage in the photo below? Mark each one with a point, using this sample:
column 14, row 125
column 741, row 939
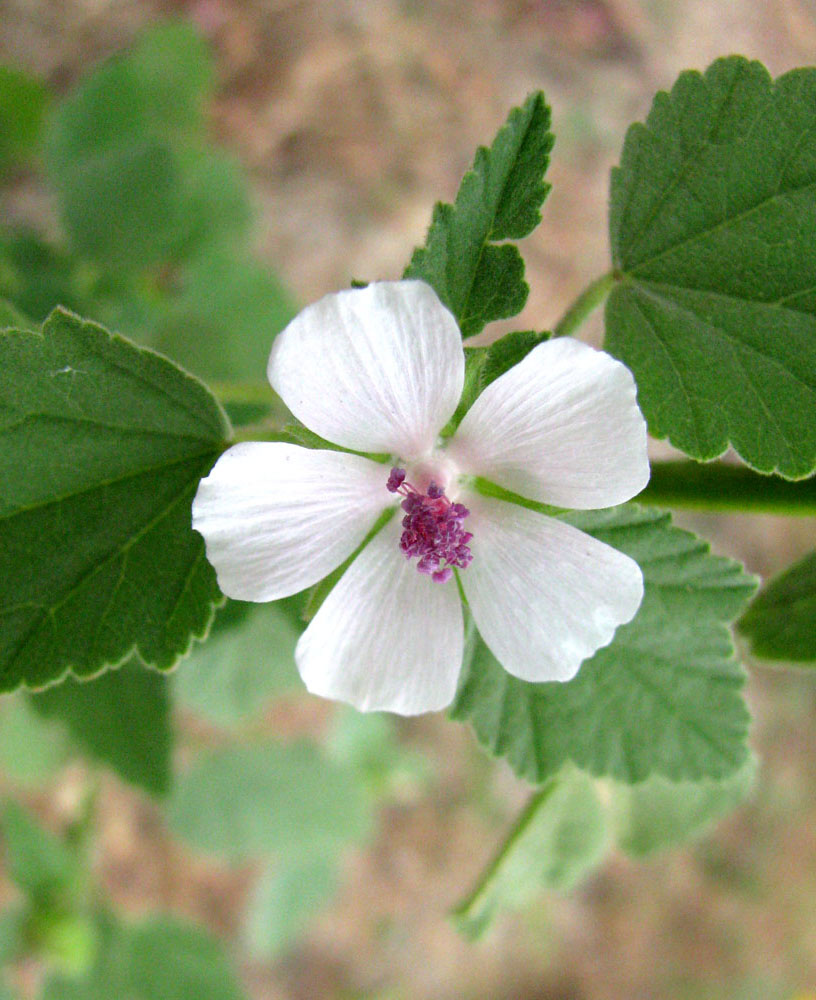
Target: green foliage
column 23, row 101
column 657, row 814
column 249, row 656
column 500, row 198
column 104, row 445
column 125, row 152
column 713, row 215
column 506, row 353
column 284, row 900
column 558, row 839
column 159, row 959
column 31, row 748
column 121, row 718
column 664, row 698
column 37, row 861
column 251, row 801
column 781, row 621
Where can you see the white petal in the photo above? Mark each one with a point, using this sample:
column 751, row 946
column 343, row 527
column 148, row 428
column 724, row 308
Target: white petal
column 544, row 595
column 277, row 518
column 375, row 369
column 386, row 638
column 562, row 427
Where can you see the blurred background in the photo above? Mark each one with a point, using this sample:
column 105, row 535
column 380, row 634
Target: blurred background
column 329, row 129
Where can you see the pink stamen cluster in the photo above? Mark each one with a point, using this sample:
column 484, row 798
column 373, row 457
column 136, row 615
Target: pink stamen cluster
column 434, row 530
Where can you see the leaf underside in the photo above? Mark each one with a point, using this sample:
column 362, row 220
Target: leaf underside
column 781, row 621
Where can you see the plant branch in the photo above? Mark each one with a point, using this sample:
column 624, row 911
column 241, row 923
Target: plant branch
column 589, row 300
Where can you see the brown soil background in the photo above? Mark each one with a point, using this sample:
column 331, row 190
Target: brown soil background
column 352, row 118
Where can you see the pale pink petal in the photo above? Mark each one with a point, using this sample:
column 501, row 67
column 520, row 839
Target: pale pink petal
column 277, row 518
column 543, row 594
column 376, row 369
column 562, row 427
column 386, row 638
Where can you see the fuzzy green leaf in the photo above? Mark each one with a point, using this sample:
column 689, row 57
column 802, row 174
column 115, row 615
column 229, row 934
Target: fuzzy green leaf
column 781, row 621
column 665, row 696
column 40, row 864
column 23, row 101
column 121, row 718
column 104, row 445
column 500, row 198
column 559, row 838
column 713, row 229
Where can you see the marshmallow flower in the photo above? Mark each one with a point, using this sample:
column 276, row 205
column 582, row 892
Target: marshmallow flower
column 381, row 370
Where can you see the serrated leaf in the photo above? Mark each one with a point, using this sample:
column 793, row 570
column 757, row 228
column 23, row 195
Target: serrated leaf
column 713, row 229
column 657, row 814
column 121, row 718
column 40, row 864
column 781, row 621
column 284, row 900
column 229, row 677
column 500, row 198
column 505, row 353
column 244, row 802
column 104, row 445
column 559, row 838
column 664, row 698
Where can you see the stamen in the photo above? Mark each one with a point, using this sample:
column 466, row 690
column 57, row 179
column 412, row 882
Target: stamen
column 433, row 528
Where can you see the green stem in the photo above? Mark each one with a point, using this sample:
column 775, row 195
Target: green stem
column 589, row 300
column 719, row 488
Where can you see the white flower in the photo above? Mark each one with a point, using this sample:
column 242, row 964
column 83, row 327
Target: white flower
column 381, row 369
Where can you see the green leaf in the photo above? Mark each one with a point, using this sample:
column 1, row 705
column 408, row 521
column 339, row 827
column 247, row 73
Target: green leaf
column 713, row 229
column 104, row 445
column 781, row 621
column 244, row 802
column 506, row 353
column 159, row 959
column 32, row 749
column 23, row 101
column 121, row 718
column 10, row 317
column 657, row 814
column 664, row 698
column 559, row 838
column 500, row 198
column 243, row 663
column 40, row 864
column 284, row 901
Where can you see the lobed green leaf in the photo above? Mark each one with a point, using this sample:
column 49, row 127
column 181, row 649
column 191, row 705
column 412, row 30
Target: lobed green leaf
column 713, row 230
column 500, row 198
column 104, row 445
column 663, row 698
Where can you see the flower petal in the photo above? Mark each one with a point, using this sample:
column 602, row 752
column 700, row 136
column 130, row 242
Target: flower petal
column 544, row 595
column 277, row 518
column 563, row 427
column 379, row 368
column 386, row 638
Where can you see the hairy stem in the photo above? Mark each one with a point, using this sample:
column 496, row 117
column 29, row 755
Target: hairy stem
column 589, row 300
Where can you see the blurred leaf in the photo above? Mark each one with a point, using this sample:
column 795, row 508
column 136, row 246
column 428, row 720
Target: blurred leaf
column 104, row 445
column 31, row 748
column 284, row 900
column 35, row 277
column 664, row 697
column 781, row 620
column 712, row 219
column 500, row 198
column 559, row 838
column 126, row 153
column 12, row 317
column 159, row 959
column 40, row 864
column 121, row 718
column 11, row 937
column 230, row 677
column 243, row 802
column 657, row 814
column 23, row 101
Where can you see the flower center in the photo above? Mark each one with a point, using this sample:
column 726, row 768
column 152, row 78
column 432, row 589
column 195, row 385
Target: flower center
column 433, row 528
